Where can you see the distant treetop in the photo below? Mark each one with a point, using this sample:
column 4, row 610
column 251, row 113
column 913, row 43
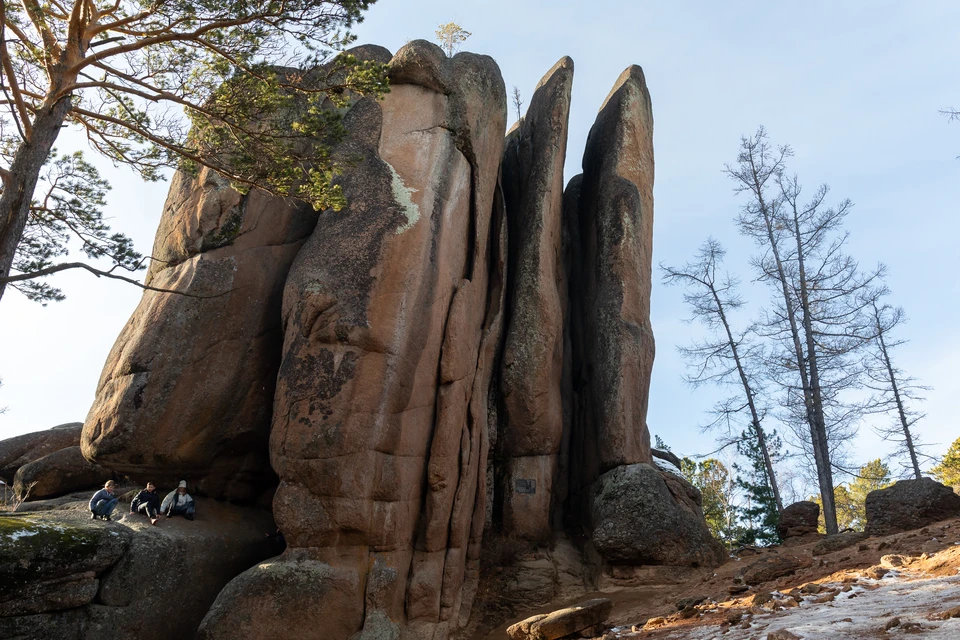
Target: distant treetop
column 450, row 36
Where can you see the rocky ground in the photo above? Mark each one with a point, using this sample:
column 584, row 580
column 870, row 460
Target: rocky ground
column 879, row 587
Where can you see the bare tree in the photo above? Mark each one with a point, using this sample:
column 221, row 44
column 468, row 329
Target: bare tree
column 895, row 391
column 812, row 323
column 726, row 357
column 517, row 102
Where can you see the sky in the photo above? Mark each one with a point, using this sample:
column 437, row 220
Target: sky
column 854, row 87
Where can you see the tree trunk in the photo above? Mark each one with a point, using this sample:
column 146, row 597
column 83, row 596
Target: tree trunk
column 821, row 454
column 902, row 414
column 748, row 391
column 21, row 181
column 818, row 428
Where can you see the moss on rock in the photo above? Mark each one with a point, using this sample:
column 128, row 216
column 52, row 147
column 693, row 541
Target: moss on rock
column 37, row 547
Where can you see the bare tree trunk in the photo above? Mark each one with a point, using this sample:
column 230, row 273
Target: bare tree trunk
column 901, row 412
column 754, row 415
column 818, row 428
column 20, row 182
column 820, row 452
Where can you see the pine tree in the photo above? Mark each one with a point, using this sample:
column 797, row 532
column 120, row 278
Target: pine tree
column 717, row 488
column 760, row 516
column 948, row 471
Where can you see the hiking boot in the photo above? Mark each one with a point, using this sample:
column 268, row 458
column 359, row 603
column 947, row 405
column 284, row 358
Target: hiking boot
column 107, row 518
column 189, row 516
column 93, row 515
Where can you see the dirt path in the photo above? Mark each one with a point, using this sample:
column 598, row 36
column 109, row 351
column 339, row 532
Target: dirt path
column 849, row 599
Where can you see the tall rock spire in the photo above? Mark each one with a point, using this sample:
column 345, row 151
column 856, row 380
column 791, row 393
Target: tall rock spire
column 532, row 418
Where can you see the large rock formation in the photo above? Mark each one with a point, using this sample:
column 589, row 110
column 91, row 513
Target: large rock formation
column 65, row 576
column 390, row 347
column 532, row 420
column 392, row 320
column 19, row 450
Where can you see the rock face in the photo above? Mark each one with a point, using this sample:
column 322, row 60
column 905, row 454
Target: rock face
column 532, row 420
column 187, row 389
column 798, row 520
column 392, row 320
column 65, row 576
column 611, row 220
column 19, row 450
column 58, row 473
column 645, row 516
column 909, row 504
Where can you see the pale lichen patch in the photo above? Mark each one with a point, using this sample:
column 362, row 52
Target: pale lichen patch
column 402, row 195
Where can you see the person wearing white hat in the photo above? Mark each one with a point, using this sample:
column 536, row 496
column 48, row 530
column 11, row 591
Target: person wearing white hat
column 179, row 503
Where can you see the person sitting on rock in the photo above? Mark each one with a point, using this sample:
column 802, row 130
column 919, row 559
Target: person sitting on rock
column 179, row 503
column 147, row 502
column 104, row 501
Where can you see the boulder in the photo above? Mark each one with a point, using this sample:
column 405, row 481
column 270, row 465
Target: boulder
column 58, row 473
column 64, row 576
column 798, row 520
column 909, row 504
column 19, row 450
column 767, row 569
column 267, row 602
column 563, row 622
column 608, row 214
column 392, row 315
column 532, row 361
column 838, row 541
column 644, row 516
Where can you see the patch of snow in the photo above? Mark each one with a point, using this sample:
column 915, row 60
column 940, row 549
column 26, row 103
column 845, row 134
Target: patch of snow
column 16, row 535
column 858, row 613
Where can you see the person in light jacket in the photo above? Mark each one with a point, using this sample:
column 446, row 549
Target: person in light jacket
column 179, row 503
column 104, row 501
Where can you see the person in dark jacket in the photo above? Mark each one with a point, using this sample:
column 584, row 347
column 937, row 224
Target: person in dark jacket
column 179, row 503
column 147, row 502
column 104, row 501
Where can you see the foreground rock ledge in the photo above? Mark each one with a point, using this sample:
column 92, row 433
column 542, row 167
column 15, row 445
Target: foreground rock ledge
column 564, row 622
column 64, row 576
